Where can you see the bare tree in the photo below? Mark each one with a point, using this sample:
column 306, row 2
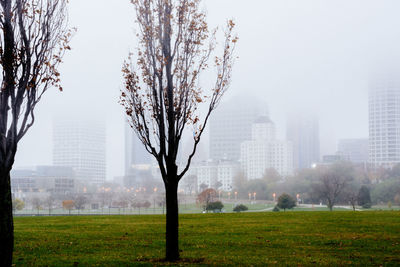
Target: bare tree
column 80, row 202
column 350, row 194
column 190, row 183
column 36, row 204
column 332, row 182
column 50, row 201
column 162, row 91
column 33, row 41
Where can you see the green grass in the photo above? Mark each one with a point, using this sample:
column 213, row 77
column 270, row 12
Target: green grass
column 259, row 239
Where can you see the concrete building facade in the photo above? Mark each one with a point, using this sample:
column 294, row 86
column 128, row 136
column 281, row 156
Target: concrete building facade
column 81, row 145
column 209, row 173
column 43, row 179
column 230, row 125
column 264, row 151
column 384, row 121
column 354, row 150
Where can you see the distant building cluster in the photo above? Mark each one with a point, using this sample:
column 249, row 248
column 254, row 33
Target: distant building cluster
column 43, row 179
column 231, row 125
column 242, row 139
column 79, row 161
column 214, row 174
column 264, row 151
column 382, row 148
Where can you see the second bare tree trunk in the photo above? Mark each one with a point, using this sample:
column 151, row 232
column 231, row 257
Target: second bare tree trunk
column 172, row 233
column 6, row 220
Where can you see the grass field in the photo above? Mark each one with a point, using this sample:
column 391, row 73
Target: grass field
column 283, row 238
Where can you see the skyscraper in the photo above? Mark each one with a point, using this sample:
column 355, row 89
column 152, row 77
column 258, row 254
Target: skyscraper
column 384, row 121
column 302, row 130
column 135, row 152
column 230, row 125
column 81, row 144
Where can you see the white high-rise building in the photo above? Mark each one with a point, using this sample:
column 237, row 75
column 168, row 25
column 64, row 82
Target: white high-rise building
column 265, row 152
column 384, row 121
column 81, row 144
column 210, row 173
column 230, row 125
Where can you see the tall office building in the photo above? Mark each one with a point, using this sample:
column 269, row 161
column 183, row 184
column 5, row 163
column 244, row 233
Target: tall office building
column 303, row 131
column 136, row 156
column 230, row 125
column 264, row 151
column 384, row 121
column 354, row 150
column 81, row 144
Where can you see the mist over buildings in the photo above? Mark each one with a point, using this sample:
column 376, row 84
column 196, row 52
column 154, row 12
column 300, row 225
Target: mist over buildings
column 303, row 57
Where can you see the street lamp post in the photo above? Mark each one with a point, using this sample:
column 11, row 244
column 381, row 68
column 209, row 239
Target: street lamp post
column 236, row 195
column 254, row 194
column 274, row 196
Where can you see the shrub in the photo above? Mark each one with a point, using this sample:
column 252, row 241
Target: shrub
column 214, row 206
column 240, row 208
column 276, row 209
column 285, row 201
column 366, row 206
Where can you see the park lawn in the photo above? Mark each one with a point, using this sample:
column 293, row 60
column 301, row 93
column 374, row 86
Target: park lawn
column 281, row 238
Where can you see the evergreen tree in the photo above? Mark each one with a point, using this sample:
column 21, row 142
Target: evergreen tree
column 364, row 197
column 285, row 201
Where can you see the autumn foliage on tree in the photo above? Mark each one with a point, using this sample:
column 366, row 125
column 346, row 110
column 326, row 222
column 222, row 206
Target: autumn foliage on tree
column 33, row 40
column 68, row 205
column 163, row 93
column 206, row 197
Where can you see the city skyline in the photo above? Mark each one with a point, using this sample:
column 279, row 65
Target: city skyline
column 281, row 60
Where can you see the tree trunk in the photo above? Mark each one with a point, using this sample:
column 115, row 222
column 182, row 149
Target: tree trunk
column 172, row 232
column 330, row 206
column 6, row 220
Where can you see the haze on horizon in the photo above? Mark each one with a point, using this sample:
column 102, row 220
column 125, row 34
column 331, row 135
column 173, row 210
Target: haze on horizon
column 316, row 56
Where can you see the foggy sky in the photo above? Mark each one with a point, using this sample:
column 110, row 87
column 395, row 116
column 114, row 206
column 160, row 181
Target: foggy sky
column 309, row 55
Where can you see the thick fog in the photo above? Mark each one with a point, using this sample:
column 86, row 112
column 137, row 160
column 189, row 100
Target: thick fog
column 315, row 56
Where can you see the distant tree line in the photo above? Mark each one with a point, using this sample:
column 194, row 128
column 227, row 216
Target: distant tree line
column 341, row 183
